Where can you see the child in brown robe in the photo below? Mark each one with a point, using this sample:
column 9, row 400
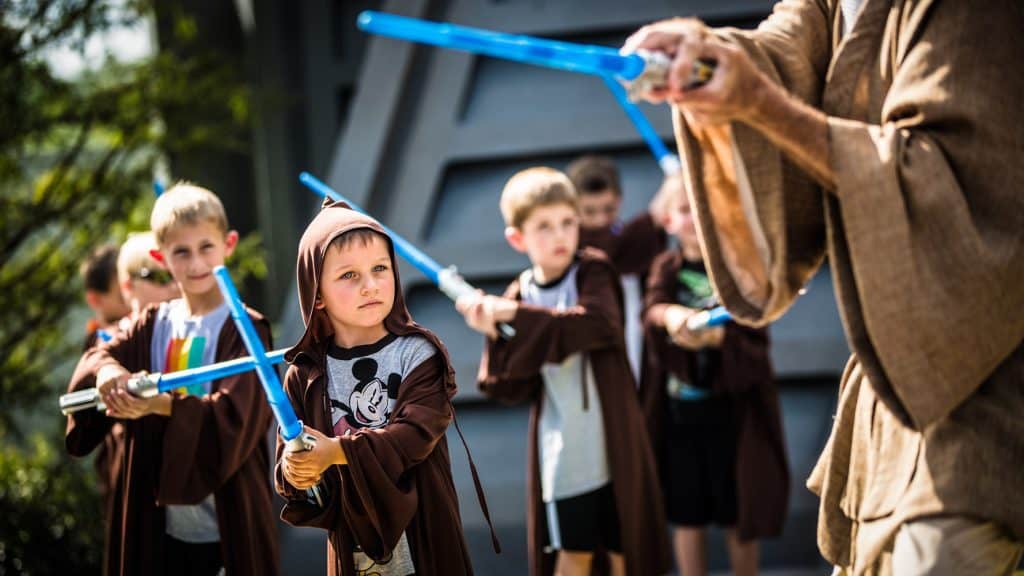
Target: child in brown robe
column 592, row 484
column 631, row 246
column 196, row 499
column 713, row 412
column 375, row 390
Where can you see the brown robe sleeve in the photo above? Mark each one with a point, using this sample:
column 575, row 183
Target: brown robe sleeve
column 208, row 438
column 546, row 336
column 929, row 217
column 378, row 498
column 86, row 429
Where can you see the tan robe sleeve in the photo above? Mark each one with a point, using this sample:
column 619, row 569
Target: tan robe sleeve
column 932, row 206
column 761, row 219
column 930, row 209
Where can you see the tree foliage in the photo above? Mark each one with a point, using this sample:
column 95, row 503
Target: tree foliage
column 77, row 161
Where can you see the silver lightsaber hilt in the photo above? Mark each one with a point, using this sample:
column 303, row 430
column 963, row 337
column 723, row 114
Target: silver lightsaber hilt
column 144, row 386
column 455, row 286
column 698, row 321
column 302, row 443
column 655, row 74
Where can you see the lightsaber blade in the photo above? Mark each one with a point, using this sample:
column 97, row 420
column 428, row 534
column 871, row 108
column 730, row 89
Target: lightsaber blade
column 289, row 424
column 644, row 70
column 668, row 161
column 446, row 279
column 156, row 383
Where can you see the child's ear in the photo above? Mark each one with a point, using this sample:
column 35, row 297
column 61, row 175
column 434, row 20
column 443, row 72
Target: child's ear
column 230, row 243
column 318, row 304
column 514, row 237
column 92, row 299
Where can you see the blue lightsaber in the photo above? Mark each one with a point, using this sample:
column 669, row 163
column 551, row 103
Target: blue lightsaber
column 668, row 161
column 708, row 319
column 446, row 279
column 158, row 188
column 152, row 384
column 644, row 70
column 287, row 421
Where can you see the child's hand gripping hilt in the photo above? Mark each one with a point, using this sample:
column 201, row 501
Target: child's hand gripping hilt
column 143, row 386
column 302, row 443
column 455, row 286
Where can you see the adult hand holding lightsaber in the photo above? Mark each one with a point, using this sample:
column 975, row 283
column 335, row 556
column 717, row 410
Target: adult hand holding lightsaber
column 290, row 426
column 447, row 279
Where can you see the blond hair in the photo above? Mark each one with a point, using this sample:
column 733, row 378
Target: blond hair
column 532, row 188
column 186, row 204
column 135, row 255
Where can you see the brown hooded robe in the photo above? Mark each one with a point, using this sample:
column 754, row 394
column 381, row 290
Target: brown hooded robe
column 744, row 376
column 510, row 373
column 398, row 478
column 215, row 444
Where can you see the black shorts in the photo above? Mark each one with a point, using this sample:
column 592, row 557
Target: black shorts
column 700, row 462
column 584, row 523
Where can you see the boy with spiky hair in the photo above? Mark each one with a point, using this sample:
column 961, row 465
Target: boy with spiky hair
column 197, row 498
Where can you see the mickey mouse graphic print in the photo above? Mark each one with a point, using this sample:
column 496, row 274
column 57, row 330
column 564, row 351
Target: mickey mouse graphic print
column 362, row 385
column 363, row 381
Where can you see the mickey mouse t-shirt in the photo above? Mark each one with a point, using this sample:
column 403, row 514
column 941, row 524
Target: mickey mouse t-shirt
column 362, row 384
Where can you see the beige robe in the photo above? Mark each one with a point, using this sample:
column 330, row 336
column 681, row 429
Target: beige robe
column 925, row 236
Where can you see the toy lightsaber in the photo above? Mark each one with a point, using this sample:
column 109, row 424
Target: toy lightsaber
column 668, row 161
column 644, row 70
column 158, row 188
column 287, row 421
column 446, row 279
column 708, row 319
column 150, row 385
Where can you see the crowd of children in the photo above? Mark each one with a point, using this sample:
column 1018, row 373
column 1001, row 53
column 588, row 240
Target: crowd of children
column 637, row 422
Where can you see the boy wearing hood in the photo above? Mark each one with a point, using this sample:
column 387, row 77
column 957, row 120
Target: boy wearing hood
column 374, row 388
column 593, row 490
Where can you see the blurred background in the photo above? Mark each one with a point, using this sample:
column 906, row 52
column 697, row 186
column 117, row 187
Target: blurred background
column 99, row 99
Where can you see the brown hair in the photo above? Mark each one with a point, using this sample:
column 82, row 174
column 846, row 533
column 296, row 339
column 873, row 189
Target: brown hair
column 100, row 269
column 364, row 236
column 532, row 188
column 593, row 174
column 186, row 204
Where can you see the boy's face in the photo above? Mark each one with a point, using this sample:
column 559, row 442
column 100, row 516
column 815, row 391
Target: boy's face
column 599, row 209
column 110, row 305
column 192, row 251
column 357, row 285
column 681, row 223
column 549, row 236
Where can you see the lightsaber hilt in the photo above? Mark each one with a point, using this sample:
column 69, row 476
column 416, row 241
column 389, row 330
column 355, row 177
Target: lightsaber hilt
column 455, row 286
column 144, row 386
column 708, row 319
column 302, row 443
column 447, row 280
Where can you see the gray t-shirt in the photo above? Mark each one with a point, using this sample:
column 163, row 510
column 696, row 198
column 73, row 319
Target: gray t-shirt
column 362, row 384
column 180, row 342
column 573, row 459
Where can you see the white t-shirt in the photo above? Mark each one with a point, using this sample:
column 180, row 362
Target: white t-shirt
column 573, row 459
column 180, row 342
